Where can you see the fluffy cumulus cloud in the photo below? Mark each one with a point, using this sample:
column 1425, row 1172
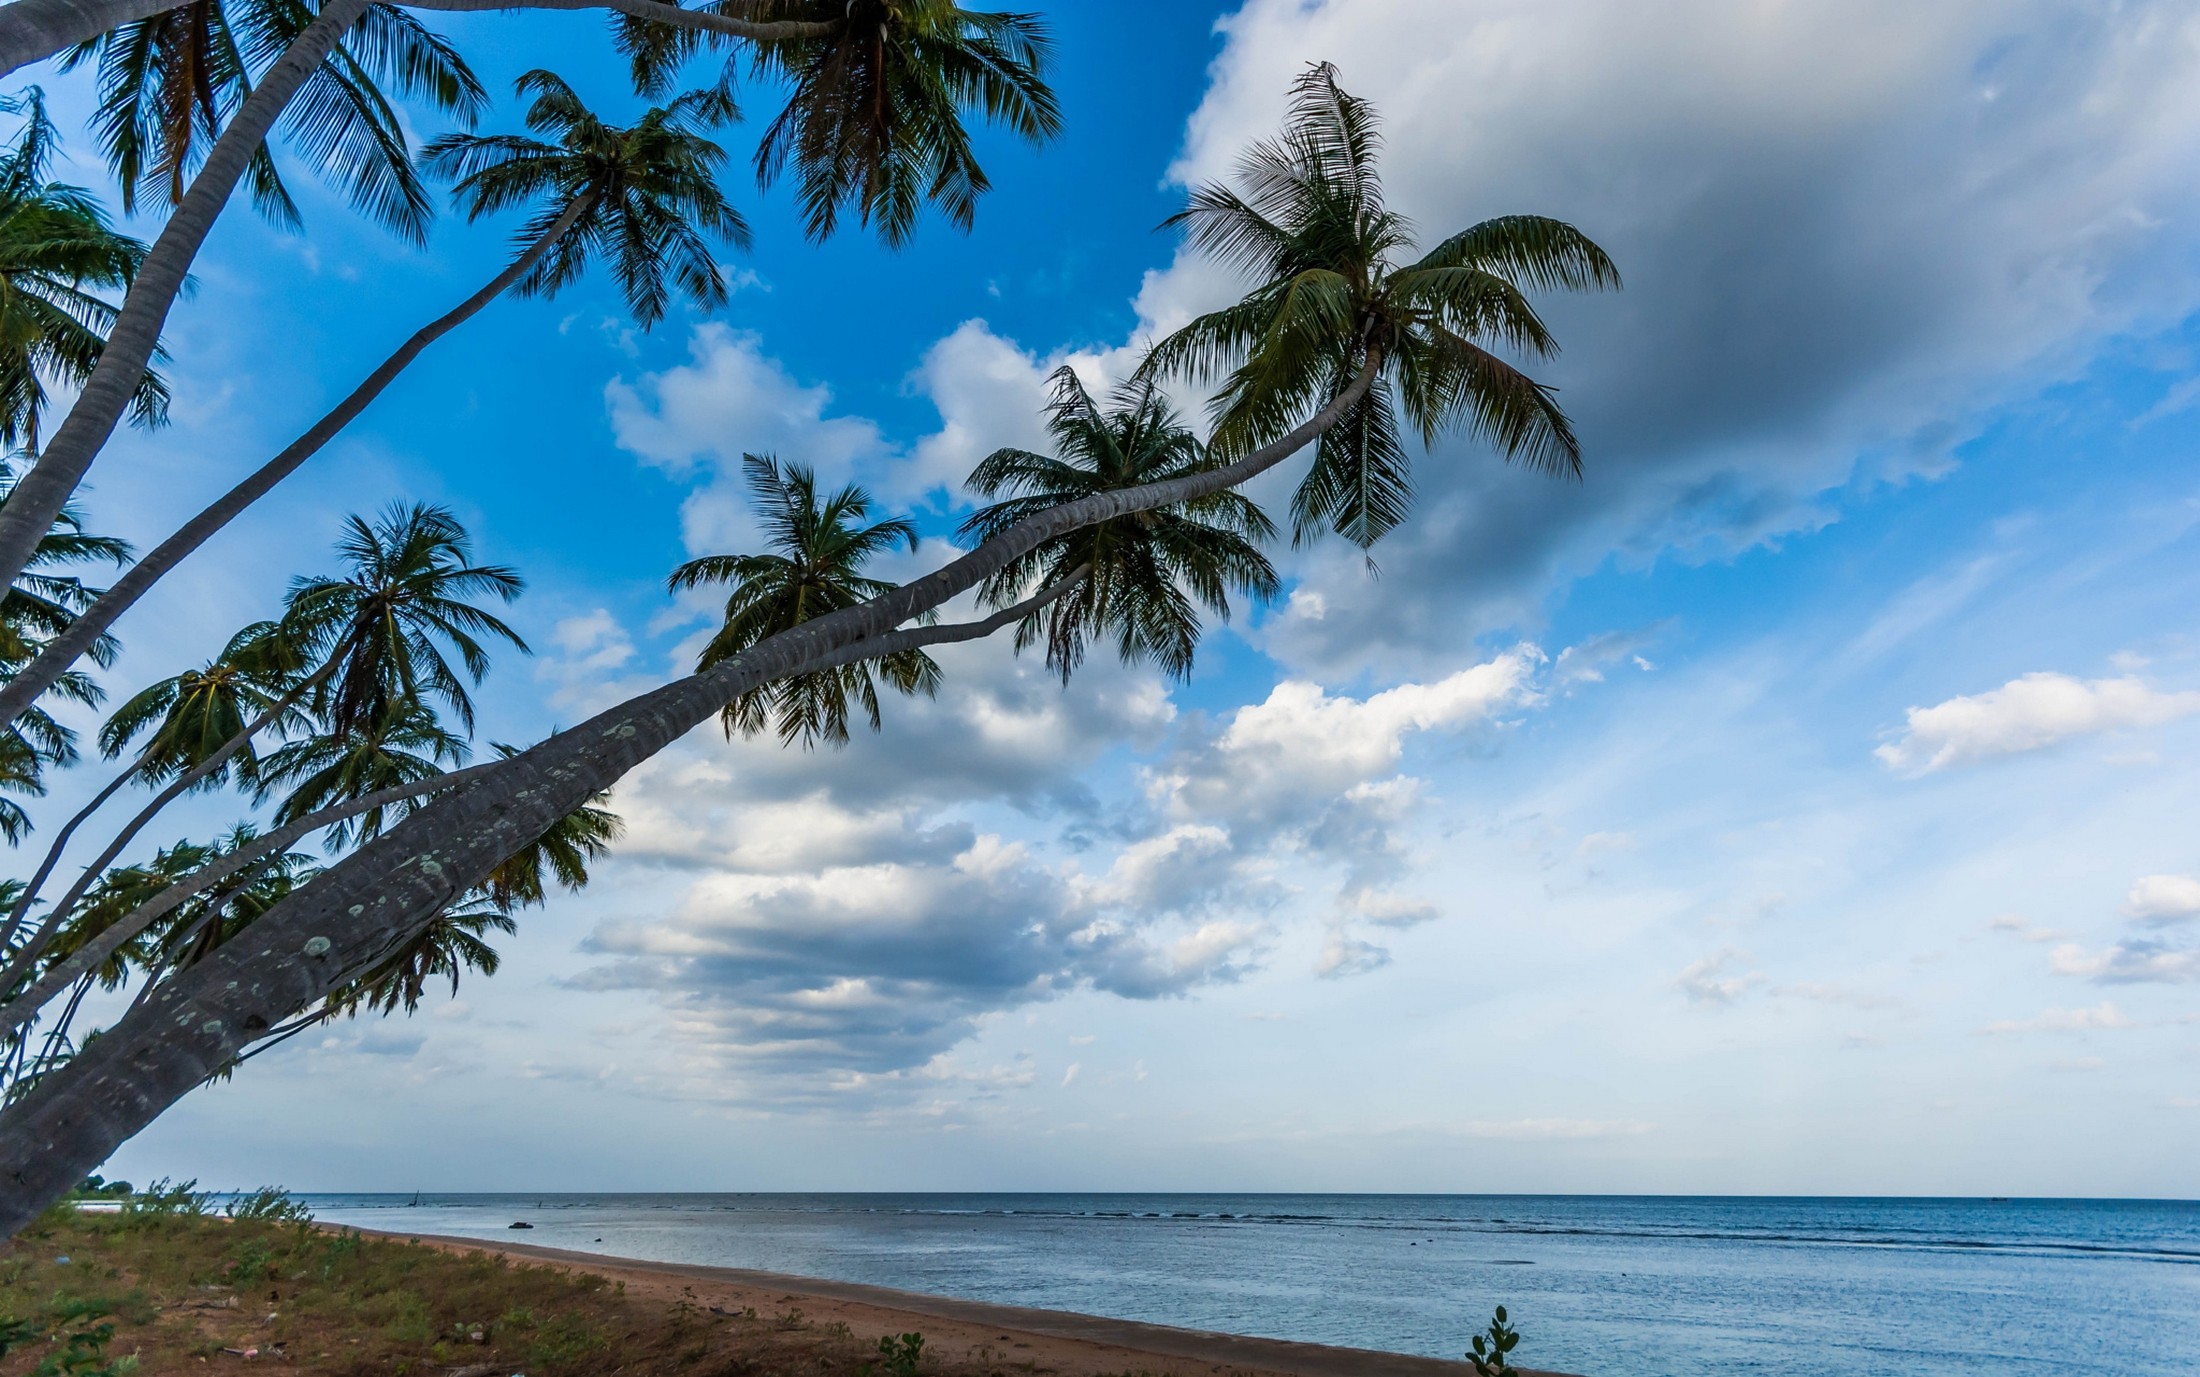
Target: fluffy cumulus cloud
column 2163, row 899
column 2027, row 714
column 732, row 398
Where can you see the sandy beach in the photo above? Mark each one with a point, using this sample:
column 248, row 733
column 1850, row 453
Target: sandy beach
column 1049, row 1340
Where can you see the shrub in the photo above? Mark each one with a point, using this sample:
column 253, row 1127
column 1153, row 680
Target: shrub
column 1490, row 1349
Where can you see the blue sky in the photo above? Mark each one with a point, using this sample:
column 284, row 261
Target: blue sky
column 1799, row 803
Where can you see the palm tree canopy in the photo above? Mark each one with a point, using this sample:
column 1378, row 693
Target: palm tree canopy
column 1306, row 218
column 385, row 633
column 404, row 745
column 1142, row 574
column 57, row 254
column 648, row 191
column 818, row 545
column 40, row 606
column 192, row 715
column 874, row 115
column 169, row 84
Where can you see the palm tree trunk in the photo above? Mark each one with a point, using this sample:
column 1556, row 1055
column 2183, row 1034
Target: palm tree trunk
column 38, row 498
column 55, row 657
column 376, row 899
column 33, row 30
column 19, row 1009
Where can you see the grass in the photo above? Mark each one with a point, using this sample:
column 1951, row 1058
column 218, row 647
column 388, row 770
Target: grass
column 173, row 1289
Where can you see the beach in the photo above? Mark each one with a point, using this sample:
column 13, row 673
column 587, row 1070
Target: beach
column 1053, row 1341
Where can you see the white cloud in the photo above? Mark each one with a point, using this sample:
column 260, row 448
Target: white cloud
column 1302, row 746
column 2163, row 898
column 2027, row 714
column 2129, row 963
column 2103, row 1016
column 1713, row 979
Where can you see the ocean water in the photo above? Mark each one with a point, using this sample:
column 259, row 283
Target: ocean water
column 1642, row 1286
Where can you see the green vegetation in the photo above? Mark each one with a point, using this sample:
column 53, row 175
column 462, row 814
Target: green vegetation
column 1490, row 1348
column 173, row 1279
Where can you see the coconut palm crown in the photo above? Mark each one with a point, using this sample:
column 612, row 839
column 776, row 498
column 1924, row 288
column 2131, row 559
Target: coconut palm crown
column 189, row 717
column 1138, row 576
column 874, row 117
column 382, row 636
column 818, row 547
column 1338, row 294
column 57, row 256
column 648, row 192
column 169, row 83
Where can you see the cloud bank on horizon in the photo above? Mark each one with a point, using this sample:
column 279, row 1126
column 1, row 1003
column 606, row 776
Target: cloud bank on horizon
column 1714, row 806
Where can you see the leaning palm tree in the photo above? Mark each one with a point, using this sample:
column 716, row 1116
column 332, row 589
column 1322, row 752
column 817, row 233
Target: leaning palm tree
column 1335, row 302
column 189, row 718
column 819, row 545
column 385, row 633
column 644, row 195
column 57, row 254
column 169, row 83
column 1136, row 577
column 873, row 120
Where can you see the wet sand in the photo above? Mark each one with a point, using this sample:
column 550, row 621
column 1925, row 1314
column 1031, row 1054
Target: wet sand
column 1055, row 1341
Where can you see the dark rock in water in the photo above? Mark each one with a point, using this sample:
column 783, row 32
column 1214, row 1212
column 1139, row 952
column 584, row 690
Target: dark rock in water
column 522, row 1224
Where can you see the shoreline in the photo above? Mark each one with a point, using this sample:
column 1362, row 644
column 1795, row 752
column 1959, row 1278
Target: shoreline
column 1059, row 1341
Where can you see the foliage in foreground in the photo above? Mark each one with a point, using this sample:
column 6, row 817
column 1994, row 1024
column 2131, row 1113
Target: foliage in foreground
column 177, row 1281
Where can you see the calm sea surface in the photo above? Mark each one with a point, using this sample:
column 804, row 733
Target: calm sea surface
column 1634, row 1286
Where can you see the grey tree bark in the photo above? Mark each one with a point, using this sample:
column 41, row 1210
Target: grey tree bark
column 373, row 901
column 20, row 1009
column 55, row 657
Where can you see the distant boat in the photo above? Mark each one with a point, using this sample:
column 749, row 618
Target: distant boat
column 521, row 1224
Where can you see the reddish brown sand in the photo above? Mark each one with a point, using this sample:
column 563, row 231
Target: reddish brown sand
column 1052, row 1341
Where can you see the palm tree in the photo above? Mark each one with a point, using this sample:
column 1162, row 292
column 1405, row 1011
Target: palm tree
column 819, row 547
column 873, row 120
column 404, row 744
column 40, row 606
column 643, row 193
column 1139, row 575
column 191, row 716
column 168, row 84
column 57, row 253
column 646, row 196
column 1307, row 218
column 384, row 633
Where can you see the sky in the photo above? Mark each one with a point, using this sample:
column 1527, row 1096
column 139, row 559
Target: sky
column 1800, row 803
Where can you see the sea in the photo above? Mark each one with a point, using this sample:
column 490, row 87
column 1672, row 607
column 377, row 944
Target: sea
column 1633, row 1286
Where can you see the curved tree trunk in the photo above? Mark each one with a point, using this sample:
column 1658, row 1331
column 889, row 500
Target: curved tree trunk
column 373, row 901
column 37, row 499
column 33, row 30
column 55, row 657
